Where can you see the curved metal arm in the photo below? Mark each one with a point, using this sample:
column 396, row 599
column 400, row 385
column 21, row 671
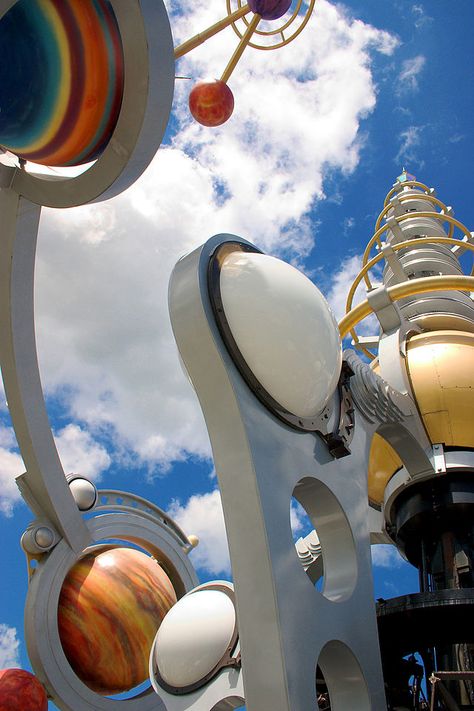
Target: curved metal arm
column 407, row 288
column 44, row 485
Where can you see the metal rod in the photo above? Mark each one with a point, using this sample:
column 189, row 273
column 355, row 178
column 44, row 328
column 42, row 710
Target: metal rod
column 424, row 577
column 433, row 681
column 457, row 675
column 201, row 37
column 447, row 698
column 240, row 48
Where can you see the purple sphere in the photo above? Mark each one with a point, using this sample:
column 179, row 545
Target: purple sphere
column 269, row 9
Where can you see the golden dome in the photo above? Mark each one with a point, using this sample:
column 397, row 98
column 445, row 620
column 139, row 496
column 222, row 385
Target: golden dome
column 440, row 366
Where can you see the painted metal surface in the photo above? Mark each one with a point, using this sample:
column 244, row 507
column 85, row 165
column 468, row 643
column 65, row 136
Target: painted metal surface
column 286, row 626
column 41, row 612
column 60, row 534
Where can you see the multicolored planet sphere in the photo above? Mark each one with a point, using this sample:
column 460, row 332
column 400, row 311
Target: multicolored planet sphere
column 270, row 9
column 211, row 103
column 111, row 605
column 61, row 80
column 19, row 689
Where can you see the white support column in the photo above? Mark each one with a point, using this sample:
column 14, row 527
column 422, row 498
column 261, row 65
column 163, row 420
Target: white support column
column 44, row 485
column 286, row 626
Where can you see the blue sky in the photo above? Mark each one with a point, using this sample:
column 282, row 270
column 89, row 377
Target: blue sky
column 320, row 130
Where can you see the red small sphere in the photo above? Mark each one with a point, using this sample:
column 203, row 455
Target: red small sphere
column 211, row 102
column 20, row 689
column 269, row 9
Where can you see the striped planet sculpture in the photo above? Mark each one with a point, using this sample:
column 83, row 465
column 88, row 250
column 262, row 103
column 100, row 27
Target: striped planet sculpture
column 111, row 605
column 61, row 80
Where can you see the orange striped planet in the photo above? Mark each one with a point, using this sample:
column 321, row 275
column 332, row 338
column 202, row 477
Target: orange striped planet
column 111, row 604
column 61, row 79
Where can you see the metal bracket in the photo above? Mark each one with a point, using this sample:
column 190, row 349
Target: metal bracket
column 395, row 229
column 459, row 248
column 339, row 440
column 439, row 461
column 392, row 354
column 387, row 312
column 395, row 413
column 7, row 173
column 393, row 261
column 396, row 206
column 367, row 341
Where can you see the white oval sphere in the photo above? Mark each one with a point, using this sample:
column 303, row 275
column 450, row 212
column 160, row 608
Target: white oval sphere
column 284, row 329
column 193, row 637
column 44, row 537
column 84, row 493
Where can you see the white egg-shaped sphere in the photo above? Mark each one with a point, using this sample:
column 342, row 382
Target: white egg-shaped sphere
column 84, row 493
column 194, row 636
column 44, row 537
column 284, row 329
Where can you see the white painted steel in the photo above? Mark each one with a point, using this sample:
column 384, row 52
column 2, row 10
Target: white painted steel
column 145, row 528
column 194, row 636
column 284, row 329
column 223, row 692
column 285, row 624
column 44, row 537
column 44, row 485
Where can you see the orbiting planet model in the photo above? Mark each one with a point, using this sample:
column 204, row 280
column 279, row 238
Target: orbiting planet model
column 211, row 102
column 61, row 80
column 111, row 605
column 19, row 689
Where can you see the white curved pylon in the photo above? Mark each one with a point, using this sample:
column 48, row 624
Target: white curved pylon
column 286, row 626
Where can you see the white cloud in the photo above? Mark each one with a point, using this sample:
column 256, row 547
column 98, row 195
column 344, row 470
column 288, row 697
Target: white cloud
column 80, row 454
column 410, row 140
column 104, row 337
column 348, row 225
column 341, row 282
column 78, row 451
column 202, row 516
column 298, row 519
column 421, row 17
column 11, row 465
column 409, row 74
column 9, row 647
column 386, row 556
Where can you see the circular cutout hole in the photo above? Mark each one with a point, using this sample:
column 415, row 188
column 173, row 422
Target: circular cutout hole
column 337, row 549
column 341, row 682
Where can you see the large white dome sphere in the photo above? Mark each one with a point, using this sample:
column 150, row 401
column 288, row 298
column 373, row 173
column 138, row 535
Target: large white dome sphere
column 284, row 329
column 194, row 636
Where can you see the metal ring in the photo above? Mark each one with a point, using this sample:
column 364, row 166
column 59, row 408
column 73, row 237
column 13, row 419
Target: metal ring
column 271, row 33
column 41, row 610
